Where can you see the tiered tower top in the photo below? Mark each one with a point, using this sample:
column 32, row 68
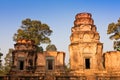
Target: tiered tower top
column 83, row 18
column 84, row 22
column 84, row 29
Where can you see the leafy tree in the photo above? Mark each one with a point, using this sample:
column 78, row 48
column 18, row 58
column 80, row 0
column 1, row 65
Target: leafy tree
column 1, row 66
column 67, row 67
column 0, row 59
column 114, row 30
column 8, row 61
column 40, row 49
column 2, row 70
column 51, row 47
column 33, row 30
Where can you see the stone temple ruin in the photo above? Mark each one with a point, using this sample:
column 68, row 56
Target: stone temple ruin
column 87, row 60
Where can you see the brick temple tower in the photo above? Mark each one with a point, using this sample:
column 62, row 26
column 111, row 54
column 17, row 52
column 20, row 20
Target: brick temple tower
column 85, row 48
column 24, row 59
column 29, row 64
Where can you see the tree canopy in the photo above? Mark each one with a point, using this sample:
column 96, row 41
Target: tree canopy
column 114, row 32
column 114, row 29
column 8, row 61
column 33, row 30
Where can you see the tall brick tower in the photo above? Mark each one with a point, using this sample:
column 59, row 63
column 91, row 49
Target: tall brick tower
column 85, row 48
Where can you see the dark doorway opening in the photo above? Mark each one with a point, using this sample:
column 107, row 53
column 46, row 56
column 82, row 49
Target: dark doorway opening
column 50, row 64
column 21, row 65
column 87, row 63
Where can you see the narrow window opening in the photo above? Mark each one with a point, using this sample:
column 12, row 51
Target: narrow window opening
column 87, row 63
column 21, row 65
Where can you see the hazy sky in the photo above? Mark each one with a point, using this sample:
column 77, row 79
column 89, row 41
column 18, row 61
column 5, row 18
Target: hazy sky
column 59, row 15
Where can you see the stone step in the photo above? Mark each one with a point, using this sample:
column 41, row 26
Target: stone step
column 91, row 77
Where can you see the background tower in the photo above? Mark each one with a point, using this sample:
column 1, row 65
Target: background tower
column 85, row 48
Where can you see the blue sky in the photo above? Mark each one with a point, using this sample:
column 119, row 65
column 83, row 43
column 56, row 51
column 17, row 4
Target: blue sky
column 59, row 15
